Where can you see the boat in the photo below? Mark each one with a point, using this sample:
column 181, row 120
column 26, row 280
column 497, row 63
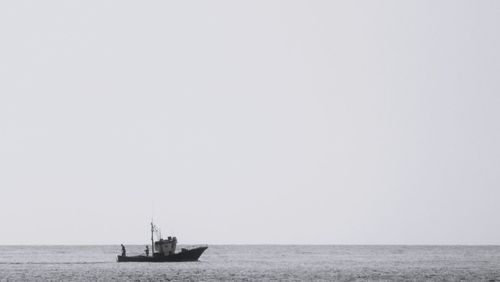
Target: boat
column 163, row 250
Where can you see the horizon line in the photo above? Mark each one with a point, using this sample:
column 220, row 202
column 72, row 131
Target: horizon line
column 268, row 244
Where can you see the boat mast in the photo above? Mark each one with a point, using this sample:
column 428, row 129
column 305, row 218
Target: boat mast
column 152, row 240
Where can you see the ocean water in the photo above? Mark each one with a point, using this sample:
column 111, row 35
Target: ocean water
column 257, row 263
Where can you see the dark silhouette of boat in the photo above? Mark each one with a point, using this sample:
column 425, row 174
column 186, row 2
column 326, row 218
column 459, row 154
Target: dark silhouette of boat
column 163, row 251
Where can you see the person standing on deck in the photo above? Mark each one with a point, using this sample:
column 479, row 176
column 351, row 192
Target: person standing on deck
column 124, row 252
column 147, row 250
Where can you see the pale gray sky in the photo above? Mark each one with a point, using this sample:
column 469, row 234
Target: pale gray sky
column 364, row 122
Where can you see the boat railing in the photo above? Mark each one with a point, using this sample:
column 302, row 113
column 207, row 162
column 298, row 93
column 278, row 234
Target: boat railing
column 190, row 247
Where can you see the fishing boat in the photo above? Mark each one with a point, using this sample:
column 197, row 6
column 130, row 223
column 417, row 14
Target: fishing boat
column 163, row 250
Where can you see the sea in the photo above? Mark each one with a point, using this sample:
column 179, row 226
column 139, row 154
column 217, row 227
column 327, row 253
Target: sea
column 256, row 263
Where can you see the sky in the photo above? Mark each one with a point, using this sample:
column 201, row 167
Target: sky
column 250, row 122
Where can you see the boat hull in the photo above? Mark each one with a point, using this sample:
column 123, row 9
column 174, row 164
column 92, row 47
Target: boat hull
column 185, row 255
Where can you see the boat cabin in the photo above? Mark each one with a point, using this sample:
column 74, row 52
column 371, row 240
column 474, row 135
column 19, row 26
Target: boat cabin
column 165, row 247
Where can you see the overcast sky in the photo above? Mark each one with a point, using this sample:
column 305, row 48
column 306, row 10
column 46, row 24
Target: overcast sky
column 308, row 122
